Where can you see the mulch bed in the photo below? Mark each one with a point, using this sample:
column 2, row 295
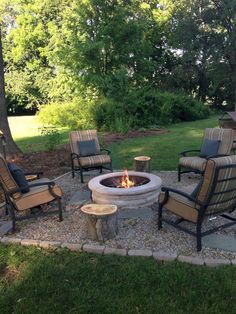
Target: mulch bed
column 57, row 162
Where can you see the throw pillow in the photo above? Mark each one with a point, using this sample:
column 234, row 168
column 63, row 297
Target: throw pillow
column 87, row 148
column 209, row 148
column 19, row 176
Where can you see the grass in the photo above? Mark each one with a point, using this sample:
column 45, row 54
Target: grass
column 38, row 281
column 26, row 133
column 163, row 149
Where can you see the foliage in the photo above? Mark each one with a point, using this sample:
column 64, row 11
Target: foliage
column 145, row 109
column 57, row 52
column 75, row 115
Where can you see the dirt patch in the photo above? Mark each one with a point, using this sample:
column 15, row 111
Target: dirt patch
column 57, row 162
column 10, row 274
column 110, row 138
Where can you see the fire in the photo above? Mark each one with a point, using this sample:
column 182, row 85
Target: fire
column 126, row 182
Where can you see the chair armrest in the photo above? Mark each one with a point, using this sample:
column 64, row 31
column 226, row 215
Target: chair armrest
column 184, row 153
column 19, row 189
column 168, row 189
column 37, row 174
column 105, row 150
column 216, row 156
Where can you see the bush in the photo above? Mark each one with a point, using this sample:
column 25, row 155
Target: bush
column 140, row 109
column 75, row 115
column 145, row 109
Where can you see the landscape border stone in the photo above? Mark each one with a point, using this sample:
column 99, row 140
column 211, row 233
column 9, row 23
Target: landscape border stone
column 160, row 256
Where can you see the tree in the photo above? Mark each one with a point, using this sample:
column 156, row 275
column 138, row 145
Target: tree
column 11, row 147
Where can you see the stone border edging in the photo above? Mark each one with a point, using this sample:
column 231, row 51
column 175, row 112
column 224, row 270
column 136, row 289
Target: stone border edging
column 159, row 256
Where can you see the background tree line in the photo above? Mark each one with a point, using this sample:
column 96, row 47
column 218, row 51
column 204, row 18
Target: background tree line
column 89, row 56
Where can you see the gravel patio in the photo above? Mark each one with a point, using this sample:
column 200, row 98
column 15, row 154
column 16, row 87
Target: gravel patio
column 136, row 232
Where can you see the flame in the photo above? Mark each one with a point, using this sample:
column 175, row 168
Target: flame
column 125, row 181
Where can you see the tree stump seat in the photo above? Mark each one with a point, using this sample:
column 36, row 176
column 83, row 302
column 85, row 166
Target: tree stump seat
column 142, row 163
column 101, row 221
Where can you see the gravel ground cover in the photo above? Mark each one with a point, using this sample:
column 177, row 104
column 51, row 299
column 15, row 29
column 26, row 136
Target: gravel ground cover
column 134, row 233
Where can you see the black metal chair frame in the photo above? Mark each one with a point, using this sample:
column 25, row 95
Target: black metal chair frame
column 80, row 169
column 201, row 210
column 11, row 208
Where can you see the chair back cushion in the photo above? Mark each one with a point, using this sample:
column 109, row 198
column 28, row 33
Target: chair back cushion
column 84, row 135
column 19, row 176
column 6, row 178
column 87, row 148
column 209, row 148
column 225, row 136
column 218, row 190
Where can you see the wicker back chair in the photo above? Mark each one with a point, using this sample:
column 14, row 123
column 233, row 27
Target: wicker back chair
column 41, row 191
column 100, row 160
column 216, row 195
column 197, row 164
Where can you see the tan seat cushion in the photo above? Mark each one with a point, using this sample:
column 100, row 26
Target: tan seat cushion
column 37, row 195
column 96, row 160
column 195, row 162
column 180, row 206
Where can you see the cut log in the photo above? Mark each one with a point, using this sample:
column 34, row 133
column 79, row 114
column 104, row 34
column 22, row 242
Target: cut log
column 101, row 221
column 142, row 163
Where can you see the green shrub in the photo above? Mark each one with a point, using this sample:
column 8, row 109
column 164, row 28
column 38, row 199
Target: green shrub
column 138, row 109
column 144, row 109
column 75, row 115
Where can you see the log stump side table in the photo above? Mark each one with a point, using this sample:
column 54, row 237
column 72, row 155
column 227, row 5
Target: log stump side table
column 101, row 221
column 142, row 163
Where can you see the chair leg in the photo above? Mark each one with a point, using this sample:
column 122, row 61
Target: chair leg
column 81, row 176
column 13, row 217
column 59, row 208
column 159, row 217
column 100, row 171
column 199, row 236
column 179, row 173
column 73, row 174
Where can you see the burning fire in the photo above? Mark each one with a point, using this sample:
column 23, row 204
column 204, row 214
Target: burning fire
column 125, row 181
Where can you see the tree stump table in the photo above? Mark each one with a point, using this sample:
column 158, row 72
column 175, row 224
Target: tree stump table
column 101, row 221
column 142, row 163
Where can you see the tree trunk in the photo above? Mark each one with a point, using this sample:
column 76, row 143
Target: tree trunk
column 11, row 147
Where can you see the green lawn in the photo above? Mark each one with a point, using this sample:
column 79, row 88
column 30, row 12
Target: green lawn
column 163, row 149
column 37, row 281
column 26, row 132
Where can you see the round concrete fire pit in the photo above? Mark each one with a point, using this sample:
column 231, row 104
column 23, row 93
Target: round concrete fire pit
column 144, row 193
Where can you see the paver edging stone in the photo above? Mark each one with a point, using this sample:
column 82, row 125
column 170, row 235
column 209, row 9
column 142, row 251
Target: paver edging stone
column 102, row 249
column 162, row 256
column 143, row 253
column 28, row 242
column 10, row 240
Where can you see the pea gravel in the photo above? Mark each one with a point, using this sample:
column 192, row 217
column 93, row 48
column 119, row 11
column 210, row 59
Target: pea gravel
column 134, row 233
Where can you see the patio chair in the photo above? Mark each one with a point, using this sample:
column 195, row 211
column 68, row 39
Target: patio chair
column 32, row 194
column 210, row 148
column 86, row 153
column 215, row 195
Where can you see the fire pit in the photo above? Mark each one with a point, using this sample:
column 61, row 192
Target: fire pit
column 127, row 190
